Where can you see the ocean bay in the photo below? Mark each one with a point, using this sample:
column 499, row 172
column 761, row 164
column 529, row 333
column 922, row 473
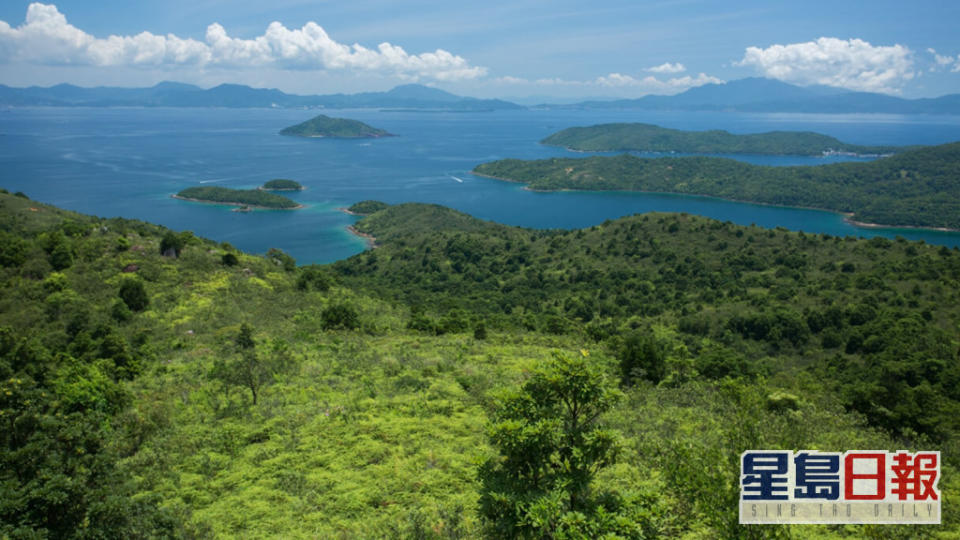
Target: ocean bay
column 128, row 161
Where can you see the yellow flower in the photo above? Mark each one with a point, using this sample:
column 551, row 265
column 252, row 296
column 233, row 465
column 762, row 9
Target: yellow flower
column 584, row 352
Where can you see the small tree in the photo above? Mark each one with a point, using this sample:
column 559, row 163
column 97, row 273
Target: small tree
column 134, row 295
column 282, row 259
column 246, row 368
column 551, row 444
column 340, row 316
column 641, row 357
column 173, row 243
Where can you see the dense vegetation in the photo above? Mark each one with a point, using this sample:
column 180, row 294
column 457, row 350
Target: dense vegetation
column 651, row 138
column 915, row 188
column 247, row 197
column 220, row 394
column 282, row 184
column 364, row 208
column 325, row 126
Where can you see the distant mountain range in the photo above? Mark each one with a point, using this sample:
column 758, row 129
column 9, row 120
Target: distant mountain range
column 745, row 95
column 767, row 95
column 171, row 94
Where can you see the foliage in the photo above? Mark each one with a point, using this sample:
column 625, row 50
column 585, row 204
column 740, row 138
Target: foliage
column 325, row 126
column 134, row 294
column 551, row 445
column 915, row 188
column 651, row 138
column 378, row 434
column 282, row 259
column 245, row 197
column 340, row 316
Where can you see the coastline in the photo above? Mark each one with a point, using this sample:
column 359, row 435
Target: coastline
column 677, row 153
column 371, row 240
column 175, row 196
column 847, row 216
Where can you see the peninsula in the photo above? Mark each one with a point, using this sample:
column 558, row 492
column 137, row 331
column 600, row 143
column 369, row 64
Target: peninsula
column 337, row 128
column 916, row 188
column 281, row 184
column 253, row 198
column 651, row 138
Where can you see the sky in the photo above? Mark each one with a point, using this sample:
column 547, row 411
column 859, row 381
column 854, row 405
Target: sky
column 565, row 49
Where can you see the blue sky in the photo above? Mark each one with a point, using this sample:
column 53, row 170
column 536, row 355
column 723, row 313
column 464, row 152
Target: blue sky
column 491, row 49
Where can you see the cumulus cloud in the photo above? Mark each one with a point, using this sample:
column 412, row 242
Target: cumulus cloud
column 652, row 84
column 667, row 67
column 47, row 38
column 853, row 64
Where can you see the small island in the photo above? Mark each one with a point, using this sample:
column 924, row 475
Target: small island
column 365, row 208
column 281, row 184
column 338, row 128
column 651, row 138
column 244, row 198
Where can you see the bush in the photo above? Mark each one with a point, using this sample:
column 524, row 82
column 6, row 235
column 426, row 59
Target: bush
column 340, row 316
column 134, row 295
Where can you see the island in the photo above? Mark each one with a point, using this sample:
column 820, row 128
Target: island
column 251, row 198
column 651, row 138
column 323, row 126
column 916, row 188
column 281, row 184
column 365, row 208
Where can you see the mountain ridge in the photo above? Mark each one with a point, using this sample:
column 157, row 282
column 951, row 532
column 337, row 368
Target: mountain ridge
column 175, row 94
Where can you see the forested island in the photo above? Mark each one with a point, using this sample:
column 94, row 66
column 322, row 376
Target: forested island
column 281, row 184
column 651, row 138
column 338, row 128
column 255, row 198
column 176, row 387
column 916, row 188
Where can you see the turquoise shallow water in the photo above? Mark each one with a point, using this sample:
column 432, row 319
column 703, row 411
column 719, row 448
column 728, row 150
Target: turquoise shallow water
column 127, row 162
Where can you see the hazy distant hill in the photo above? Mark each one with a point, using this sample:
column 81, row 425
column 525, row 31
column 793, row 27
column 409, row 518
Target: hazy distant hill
column 170, row 94
column 766, row 95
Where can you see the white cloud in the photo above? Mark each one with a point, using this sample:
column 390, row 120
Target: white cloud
column 943, row 62
column 651, row 84
column 47, row 38
column 853, row 64
column 667, row 67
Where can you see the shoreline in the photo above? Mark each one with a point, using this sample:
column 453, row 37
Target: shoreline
column 261, row 188
column 847, row 216
column 175, row 196
column 371, row 240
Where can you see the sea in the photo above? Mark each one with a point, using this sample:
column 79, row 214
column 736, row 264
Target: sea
column 128, row 162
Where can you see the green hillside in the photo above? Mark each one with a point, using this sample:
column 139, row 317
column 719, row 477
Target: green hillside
column 915, row 188
column 246, row 197
column 325, row 126
column 651, row 138
column 216, row 394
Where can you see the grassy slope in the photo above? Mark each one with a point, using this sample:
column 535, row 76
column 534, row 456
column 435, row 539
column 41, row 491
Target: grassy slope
column 915, row 188
column 650, row 138
column 375, row 432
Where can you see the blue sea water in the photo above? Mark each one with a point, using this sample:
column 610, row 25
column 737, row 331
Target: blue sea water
column 127, row 162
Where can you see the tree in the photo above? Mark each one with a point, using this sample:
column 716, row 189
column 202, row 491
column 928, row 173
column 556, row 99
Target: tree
column 134, row 295
column 282, row 259
column 551, row 444
column 173, row 243
column 340, row 316
column 641, row 357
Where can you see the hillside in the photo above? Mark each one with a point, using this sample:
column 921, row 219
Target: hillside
column 213, row 393
column 650, row 138
column 323, row 126
column 915, row 188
